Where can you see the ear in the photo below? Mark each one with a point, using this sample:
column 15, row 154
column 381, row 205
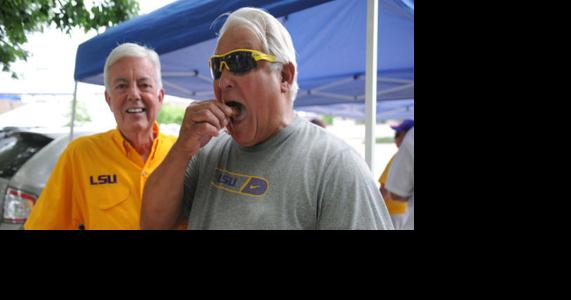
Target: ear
column 287, row 74
column 108, row 98
column 161, row 95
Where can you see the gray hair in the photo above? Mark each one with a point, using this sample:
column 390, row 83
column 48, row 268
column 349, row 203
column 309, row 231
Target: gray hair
column 132, row 50
column 274, row 37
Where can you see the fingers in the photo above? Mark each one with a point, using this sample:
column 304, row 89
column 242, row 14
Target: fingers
column 212, row 112
column 227, row 110
column 202, row 121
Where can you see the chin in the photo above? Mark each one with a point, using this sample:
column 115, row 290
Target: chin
column 139, row 126
column 242, row 141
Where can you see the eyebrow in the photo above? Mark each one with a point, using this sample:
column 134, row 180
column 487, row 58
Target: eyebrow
column 119, row 80
column 122, row 80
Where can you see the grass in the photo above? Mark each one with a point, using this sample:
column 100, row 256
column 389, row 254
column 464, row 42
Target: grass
column 385, row 140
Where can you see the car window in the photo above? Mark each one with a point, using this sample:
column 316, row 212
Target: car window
column 17, row 148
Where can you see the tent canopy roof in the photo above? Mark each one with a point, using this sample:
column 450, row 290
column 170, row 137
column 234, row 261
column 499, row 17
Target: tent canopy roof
column 329, row 37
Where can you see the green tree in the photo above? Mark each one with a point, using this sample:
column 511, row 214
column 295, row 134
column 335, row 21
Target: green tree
column 328, row 120
column 81, row 115
column 21, row 17
column 170, row 114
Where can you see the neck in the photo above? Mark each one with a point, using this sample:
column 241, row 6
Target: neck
column 283, row 122
column 288, row 118
column 141, row 141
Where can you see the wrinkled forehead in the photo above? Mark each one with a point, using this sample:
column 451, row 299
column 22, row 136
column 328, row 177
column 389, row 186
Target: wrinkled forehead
column 237, row 37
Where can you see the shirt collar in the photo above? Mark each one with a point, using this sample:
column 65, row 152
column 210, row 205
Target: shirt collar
column 125, row 145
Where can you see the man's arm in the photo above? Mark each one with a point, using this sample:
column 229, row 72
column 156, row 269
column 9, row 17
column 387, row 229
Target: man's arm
column 384, row 191
column 162, row 196
column 397, row 197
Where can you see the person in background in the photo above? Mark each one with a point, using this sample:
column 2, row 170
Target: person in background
column 395, row 208
column 400, row 183
column 318, row 122
column 273, row 169
column 98, row 180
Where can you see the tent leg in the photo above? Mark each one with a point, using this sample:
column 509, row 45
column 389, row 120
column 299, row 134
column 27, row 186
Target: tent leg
column 371, row 83
column 73, row 112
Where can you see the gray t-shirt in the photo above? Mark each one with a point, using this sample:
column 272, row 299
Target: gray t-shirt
column 301, row 178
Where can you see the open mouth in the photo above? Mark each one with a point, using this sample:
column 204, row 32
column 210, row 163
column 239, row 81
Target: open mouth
column 137, row 110
column 238, row 111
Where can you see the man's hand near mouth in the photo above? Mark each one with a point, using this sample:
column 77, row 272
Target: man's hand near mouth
column 202, row 121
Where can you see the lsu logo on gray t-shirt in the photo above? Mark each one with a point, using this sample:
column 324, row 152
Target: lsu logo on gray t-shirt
column 239, row 183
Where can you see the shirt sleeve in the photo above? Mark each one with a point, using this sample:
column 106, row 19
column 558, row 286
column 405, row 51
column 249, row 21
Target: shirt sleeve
column 54, row 208
column 350, row 198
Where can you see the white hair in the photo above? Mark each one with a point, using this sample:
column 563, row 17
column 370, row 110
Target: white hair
column 274, row 37
column 132, row 50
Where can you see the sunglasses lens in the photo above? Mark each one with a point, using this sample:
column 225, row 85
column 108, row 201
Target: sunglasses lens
column 215, row 67
column 238, row 63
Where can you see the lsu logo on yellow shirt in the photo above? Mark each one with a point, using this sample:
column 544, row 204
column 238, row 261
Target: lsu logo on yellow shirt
column 239, row 183
column 103, row 179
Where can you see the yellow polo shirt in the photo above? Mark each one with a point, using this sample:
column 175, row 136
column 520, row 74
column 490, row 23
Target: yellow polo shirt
column 97, row 183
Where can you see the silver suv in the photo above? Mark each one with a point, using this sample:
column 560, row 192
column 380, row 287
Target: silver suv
column 27, row 158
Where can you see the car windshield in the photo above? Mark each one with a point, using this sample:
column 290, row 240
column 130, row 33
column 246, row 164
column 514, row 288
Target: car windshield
column 17, row 148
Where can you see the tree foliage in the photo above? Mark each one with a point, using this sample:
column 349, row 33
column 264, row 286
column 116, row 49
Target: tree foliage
column 170, row 114
column 81, row 114
column 21, row 17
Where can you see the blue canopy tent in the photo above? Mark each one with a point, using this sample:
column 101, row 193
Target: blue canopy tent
column 10, row 97
column 329, row 36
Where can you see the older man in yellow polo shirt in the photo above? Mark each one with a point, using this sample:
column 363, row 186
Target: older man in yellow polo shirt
column 98, row 181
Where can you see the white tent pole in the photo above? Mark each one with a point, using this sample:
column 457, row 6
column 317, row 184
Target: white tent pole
column 73, row 112
column 371, row 83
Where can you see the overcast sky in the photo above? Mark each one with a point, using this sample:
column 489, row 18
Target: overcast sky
column 50, row 66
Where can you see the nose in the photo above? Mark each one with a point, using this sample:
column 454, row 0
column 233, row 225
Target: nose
column 133, row 93
column 226, row 80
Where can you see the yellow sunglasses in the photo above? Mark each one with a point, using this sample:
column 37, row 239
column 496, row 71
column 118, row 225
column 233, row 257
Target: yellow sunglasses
column 238, row 61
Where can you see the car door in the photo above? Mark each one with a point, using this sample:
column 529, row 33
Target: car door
column 16, row 148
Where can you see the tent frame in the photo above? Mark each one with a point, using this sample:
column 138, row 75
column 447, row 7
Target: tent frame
column 371, row 82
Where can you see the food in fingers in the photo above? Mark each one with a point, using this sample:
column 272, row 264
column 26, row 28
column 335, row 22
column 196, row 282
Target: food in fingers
column 235, row 111
column 238, row 110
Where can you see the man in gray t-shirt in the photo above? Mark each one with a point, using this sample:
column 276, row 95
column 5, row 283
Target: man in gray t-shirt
column 273, row 169
column 301, row 178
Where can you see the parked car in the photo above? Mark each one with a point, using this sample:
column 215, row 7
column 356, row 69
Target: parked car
column 27, row 157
